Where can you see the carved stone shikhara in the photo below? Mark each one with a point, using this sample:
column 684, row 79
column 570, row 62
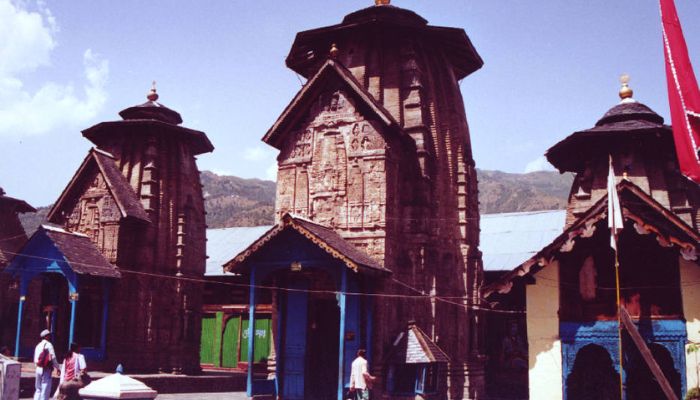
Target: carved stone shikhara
column 138, row 197
column 376, row 146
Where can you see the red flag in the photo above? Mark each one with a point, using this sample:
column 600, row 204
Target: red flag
column 683, row 93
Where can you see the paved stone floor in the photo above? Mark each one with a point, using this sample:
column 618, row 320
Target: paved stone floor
column 204, row 396
column 196, row 396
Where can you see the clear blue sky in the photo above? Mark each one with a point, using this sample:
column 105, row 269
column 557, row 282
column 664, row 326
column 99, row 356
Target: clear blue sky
column 551, row 67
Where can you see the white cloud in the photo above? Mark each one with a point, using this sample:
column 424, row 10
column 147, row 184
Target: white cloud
column 539, row 164
column 256, row 153
column 28, row 40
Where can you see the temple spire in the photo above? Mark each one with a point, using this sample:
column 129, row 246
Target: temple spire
column 382, row 2
column 625, row 91
column 152, row 95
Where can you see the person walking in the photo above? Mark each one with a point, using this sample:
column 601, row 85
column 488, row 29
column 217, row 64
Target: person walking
column 45, row 360
column 73, row 369
column 360, row 378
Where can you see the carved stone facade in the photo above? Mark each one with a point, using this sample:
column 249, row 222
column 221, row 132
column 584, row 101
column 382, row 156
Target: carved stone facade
column 376, row 146
column 139, row 200
column 12, row 237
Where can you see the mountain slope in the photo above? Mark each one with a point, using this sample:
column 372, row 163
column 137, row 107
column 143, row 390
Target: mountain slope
column 232, row 201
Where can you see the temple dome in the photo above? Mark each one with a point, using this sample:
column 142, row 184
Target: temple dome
column 628, row 111
column 152, row 109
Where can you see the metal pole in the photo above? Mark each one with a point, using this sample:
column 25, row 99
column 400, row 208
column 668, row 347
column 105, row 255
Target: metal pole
column 341, row 342
column 619, row 320
column 251, row 333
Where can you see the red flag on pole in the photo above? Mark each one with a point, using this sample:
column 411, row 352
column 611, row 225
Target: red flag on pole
column 683, row 93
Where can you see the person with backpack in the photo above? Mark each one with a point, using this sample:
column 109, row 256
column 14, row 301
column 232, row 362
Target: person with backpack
column 73, row 374
column 45, row 360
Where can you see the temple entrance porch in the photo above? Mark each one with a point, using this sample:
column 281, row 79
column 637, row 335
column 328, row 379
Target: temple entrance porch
column 321, row 315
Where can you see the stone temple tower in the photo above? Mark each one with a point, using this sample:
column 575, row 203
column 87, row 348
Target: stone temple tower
column 138, row 197
column 376, row 147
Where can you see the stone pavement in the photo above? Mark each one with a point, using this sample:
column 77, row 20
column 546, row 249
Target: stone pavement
column 194, row 396
column 204, row 396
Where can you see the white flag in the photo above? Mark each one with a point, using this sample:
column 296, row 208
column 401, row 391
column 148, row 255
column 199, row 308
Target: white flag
column 614, row 211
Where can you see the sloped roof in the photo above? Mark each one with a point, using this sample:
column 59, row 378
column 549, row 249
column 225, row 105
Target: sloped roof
column 124, row 196
column 647, row 214
column 629, row 120
column 325, row 238
column 508, row 239
column 309, row 94
column 224, row 244
column 309, row 46
column 415, row 347
column 19, row 206
column 75, row 249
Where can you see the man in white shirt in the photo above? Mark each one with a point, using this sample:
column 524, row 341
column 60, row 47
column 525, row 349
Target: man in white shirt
column 43, row 375
column 360, row 379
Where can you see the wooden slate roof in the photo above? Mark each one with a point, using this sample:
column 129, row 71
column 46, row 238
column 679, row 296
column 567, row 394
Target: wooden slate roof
column 124, row 196
column 323, row 237
column 296, row 110
column 80, row 253
column 629, row 121
column 18, row 206
column 104, row 131
column 637, row 206
column 310, row 47
column 415, row 347
column 72, row 249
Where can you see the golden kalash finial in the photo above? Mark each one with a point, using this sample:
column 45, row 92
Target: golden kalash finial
column 625, row 91
column 152, row 95
column 382, row 2
column 334, row 51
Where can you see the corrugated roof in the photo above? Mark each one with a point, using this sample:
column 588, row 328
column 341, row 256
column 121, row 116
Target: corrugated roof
column 507, row 239
column 224, row 244
column 511, row 238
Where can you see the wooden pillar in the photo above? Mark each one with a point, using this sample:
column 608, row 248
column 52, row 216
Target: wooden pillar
column 22, row 298
column 73, row 295
column 251, row 333
column 105, row 312
column 341, row 343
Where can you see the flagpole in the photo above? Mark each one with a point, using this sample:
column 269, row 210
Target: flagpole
column 619, row 319
column 616, row 224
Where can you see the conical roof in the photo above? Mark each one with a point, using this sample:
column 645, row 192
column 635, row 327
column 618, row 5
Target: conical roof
column 627, row 122
column 310, row 48
column 152, row 109
column 149, row 117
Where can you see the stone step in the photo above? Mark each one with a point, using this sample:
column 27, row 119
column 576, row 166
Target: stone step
column 207, row 382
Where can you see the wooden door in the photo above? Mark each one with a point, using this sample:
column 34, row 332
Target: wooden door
column 295, row 317
column 231, row 340
column 206, row 350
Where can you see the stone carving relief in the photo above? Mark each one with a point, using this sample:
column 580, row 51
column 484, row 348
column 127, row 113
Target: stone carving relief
column 96, row 215
column 332, row 168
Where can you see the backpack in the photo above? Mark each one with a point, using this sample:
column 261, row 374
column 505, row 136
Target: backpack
column 44, row 359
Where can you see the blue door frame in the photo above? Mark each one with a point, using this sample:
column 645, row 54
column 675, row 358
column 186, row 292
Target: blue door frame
column 294, row 313
column 671, row 334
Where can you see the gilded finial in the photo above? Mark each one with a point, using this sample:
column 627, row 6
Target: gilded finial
column 382, row 2
column 334, row 51
column 152, row 95
column 625, row 91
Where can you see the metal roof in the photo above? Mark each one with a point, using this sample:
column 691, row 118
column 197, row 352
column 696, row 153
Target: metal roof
column 509, row 239
column 506, row 239
column 224, row 244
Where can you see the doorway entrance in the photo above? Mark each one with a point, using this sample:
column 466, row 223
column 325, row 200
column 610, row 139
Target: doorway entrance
column 311, row 323
column 322, row 348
